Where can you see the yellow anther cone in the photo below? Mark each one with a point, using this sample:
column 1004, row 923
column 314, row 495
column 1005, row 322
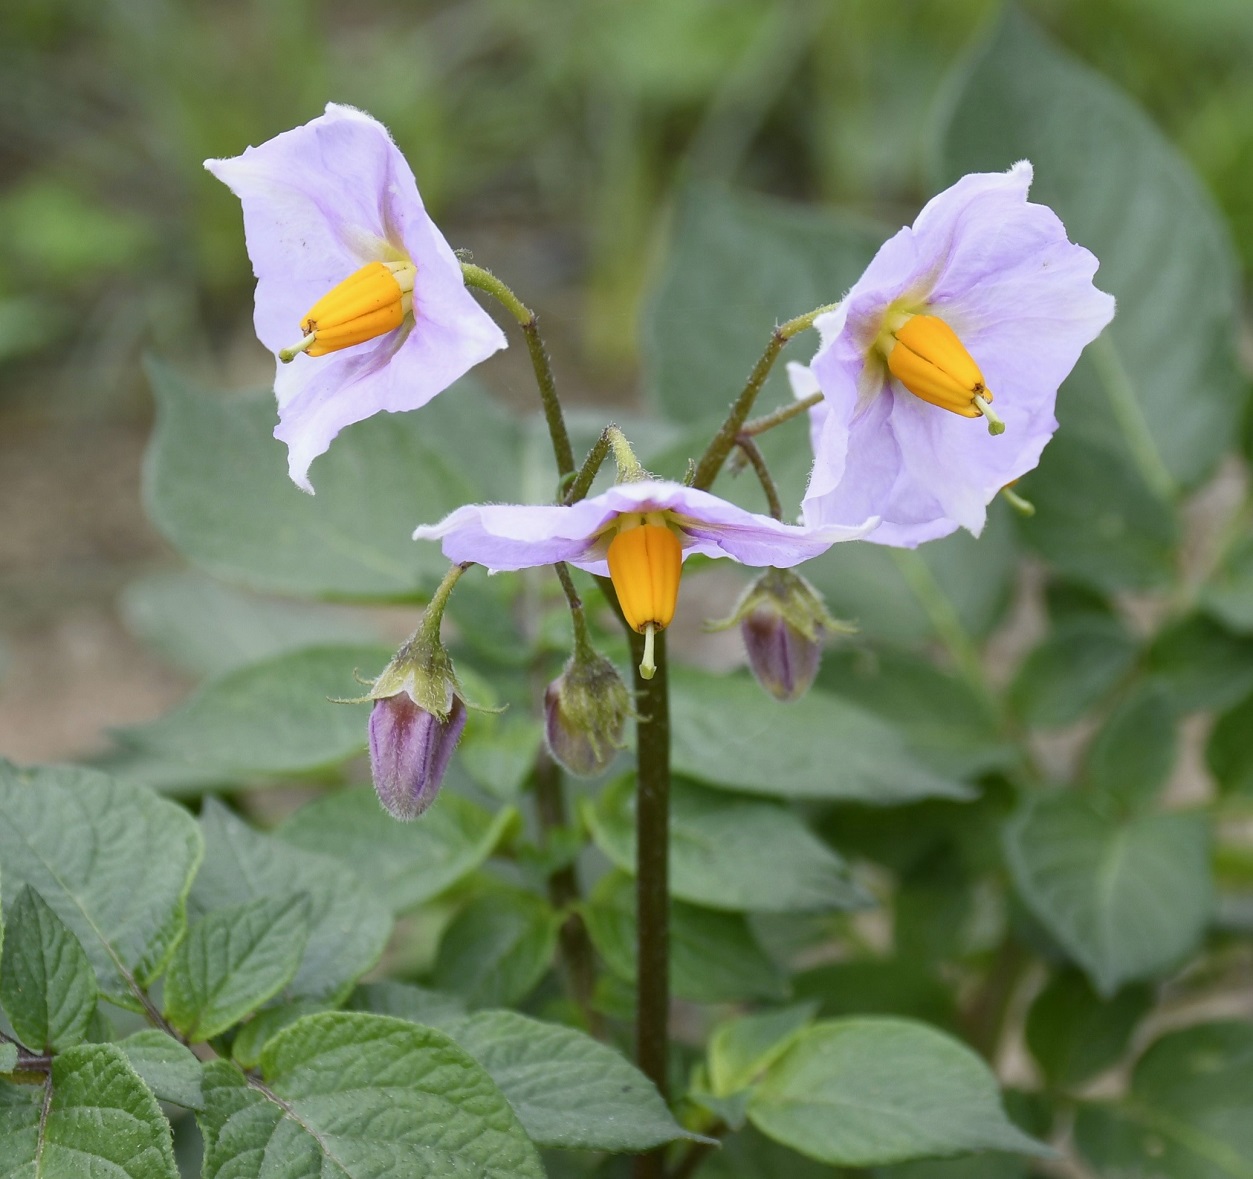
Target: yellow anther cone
column 645, row 561
column 932, row 363
column 373, row 300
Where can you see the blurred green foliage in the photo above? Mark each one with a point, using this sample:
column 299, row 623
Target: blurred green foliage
column 569, row 122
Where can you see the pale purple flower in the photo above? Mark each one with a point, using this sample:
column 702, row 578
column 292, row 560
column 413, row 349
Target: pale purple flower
column 519, row 536
column 320, row 202
column 410, row 749
column 1003, row 275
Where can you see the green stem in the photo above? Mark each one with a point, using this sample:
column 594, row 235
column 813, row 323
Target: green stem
column 783, row 414
column 716, row 453
column 652, row 891
column 485, row 280
column 433, row 615
column 629, row 467
column 752, row 452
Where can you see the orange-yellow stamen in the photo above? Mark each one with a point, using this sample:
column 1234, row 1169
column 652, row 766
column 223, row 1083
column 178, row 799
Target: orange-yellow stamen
column 366, row 304
column 927, row 357
column 645, row 560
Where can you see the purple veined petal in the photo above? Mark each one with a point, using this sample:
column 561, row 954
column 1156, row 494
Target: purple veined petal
column 410, row 749
column 1003, row 274
column 319, row 202
column 518, row 536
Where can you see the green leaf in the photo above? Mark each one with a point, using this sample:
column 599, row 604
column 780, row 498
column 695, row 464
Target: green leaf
column 47, row 985
column 208, row 628
column 112, row 860
column 497, row 948
column 1132, row 755
column 861, row 1092
column 1074, row 1034
column 742, row 1048
column 8, row 1056
column 168, row 1068
column 348, row 927
column 216, row 486
column 362, row 1097
column 567, row 1089
column 739, row 264
column 232, row 961
column 403, row 863
column 270, row 718
column 406, row 1001
column 1229, row 593
column 1230, row 749
column 1126, row 899
column 961, row 582
column 100, row 1119
column 947, row 724
column 1125, row 193
column 750, row 1155
column 729, row 734
column 994, row 1165
column 1073, row 669
column 714, row 957
column 730, row 853
column 1187, row 1112
column 1202, row 664
column 878, row 986
column 500, row 754
column 250, row 1040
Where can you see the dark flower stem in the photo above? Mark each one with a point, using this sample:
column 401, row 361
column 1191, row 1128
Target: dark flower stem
column 485, row 280
column 611, row 440
column 752, row 452
column 716, row 452
column 652, row 891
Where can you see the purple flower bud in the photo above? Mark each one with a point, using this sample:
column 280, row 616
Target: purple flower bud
column 409, row 751
column 783, row 660
column 783, row 622
column 585, row 713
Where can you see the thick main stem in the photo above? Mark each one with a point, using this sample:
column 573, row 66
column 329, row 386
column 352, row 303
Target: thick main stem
column 716, row 452
column 652, row 889
column 485, row 280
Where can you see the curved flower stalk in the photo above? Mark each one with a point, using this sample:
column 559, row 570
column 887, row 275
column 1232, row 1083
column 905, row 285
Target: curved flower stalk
column 359, row 296
column 639, row 533
column 983, row 299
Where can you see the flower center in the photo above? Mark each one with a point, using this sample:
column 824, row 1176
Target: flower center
column 366, row 304
column 929, row 359
column 645, row 560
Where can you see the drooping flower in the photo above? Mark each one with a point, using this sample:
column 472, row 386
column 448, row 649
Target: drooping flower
column 982, row 299
column 359, row 295
column 639, row 533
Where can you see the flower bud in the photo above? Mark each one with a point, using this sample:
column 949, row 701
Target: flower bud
column 585, row 713
column 409, row 751
column 783, row 622
column 418, row 716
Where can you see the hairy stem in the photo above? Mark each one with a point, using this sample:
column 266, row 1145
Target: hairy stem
column 784, row 413
column 752, row 452
column 611, row 439
column 652, row 891
column 485, row 280
column 716, row 452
